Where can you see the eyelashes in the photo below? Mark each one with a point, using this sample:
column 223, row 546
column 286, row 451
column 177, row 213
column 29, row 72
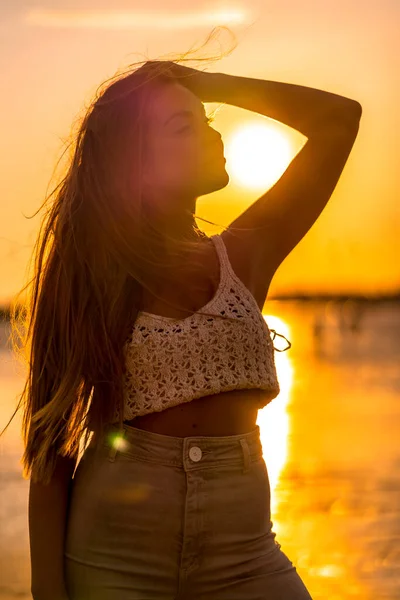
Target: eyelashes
column 208, row 121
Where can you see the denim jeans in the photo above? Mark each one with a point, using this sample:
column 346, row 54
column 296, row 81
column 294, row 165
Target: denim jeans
column 156, row 517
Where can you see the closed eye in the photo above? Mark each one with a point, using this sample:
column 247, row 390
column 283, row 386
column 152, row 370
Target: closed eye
column 207, row 121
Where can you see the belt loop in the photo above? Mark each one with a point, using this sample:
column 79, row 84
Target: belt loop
column 246, row 455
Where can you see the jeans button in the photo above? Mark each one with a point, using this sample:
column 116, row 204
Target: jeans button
column 195, row 453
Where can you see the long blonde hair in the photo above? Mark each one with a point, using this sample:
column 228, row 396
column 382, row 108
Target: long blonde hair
column 95, row 252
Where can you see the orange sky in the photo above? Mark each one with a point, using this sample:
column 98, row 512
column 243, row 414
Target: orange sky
column 53, row 59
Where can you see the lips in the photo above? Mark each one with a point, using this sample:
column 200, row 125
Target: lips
column 216, row 157
column 218, row 153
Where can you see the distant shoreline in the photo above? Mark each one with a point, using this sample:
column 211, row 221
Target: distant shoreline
column 5, row 311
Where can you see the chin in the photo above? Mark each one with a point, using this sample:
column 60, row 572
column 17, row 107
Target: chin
column 220, row 181
column 225, row 177
column 215, row 180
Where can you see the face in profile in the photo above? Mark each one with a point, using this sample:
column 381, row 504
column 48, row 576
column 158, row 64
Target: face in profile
column 184, row 155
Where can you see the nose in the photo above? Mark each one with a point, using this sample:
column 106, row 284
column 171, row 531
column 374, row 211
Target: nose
column 216, row 137
column 215, row 147
column 219, row 143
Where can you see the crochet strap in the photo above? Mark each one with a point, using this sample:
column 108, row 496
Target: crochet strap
column 224, row 261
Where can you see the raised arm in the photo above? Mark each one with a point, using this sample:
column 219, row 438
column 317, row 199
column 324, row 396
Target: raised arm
column 266, row 232
column 301, row 107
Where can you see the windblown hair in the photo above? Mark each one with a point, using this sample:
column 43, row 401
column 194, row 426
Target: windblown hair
column 97, row 249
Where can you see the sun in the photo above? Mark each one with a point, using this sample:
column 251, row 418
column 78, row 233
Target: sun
column 257, row 155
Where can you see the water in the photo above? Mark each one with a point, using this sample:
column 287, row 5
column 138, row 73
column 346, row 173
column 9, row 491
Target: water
column 330, row 442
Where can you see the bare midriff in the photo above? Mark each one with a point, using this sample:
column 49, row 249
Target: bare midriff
column 227, row 413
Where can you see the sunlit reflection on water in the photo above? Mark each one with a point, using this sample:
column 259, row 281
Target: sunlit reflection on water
column 273, row 419
column 330, row 442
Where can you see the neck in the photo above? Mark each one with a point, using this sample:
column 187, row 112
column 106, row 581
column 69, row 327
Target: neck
column 174, row 221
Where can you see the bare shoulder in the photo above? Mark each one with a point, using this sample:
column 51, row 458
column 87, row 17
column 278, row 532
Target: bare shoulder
column 244, row 263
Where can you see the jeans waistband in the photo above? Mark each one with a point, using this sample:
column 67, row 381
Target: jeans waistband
column 188, row 453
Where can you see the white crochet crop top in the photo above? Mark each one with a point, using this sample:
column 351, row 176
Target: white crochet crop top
column 170, row 361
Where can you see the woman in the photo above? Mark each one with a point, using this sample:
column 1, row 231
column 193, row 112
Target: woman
column 147, row 337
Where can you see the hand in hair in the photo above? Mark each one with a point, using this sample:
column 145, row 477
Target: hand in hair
column 191, row 78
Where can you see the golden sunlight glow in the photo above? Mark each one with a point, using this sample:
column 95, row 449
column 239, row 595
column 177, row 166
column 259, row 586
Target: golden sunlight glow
column 257, row 155
column 114, row 19
column 273, row 419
